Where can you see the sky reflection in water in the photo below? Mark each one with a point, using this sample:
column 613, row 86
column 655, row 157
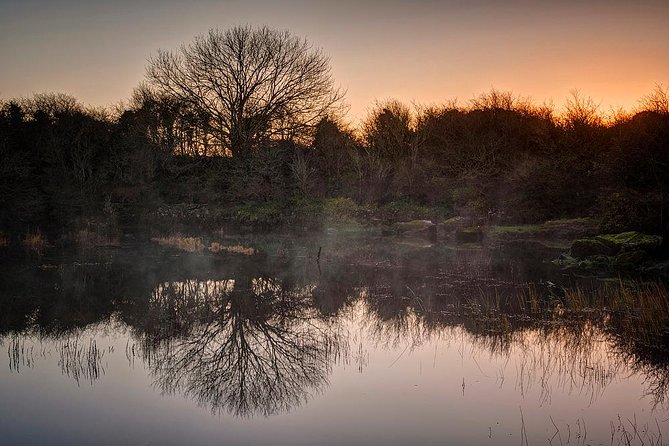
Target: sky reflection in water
column 380, row 348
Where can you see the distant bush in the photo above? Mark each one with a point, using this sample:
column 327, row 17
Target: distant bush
column 498, row 159
column 341, row 210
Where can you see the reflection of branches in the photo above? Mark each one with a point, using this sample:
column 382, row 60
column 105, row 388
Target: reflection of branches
column 249, row 351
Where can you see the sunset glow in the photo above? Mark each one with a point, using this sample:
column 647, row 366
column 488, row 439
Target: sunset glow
column 425, row 52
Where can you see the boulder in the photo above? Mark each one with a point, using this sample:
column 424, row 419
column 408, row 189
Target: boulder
column 629, row 259
column 626, row 251
column 589, row 247
column 614, row 244
column 632, row 241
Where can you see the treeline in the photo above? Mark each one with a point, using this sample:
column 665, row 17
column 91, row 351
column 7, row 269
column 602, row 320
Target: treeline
column 498, row 159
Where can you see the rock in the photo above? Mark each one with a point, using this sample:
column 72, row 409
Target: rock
column 588, row 247
column 627, row 250
column 629, row 259
column 613, row 244
column 632, row 241
column 565, row 261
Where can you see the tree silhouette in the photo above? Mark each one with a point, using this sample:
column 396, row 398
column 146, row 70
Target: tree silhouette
column 253, row 84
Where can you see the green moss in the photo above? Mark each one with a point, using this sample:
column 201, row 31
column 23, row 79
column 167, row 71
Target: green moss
column 629, row 259
column 583, row 221
column 632, row 240
column 453, row 220
column 520, row 229
column 582, row 248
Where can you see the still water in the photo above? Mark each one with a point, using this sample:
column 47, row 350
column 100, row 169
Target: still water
column 377, row 341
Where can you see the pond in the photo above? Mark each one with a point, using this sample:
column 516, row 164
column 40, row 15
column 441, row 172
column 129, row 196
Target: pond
column 334, row 339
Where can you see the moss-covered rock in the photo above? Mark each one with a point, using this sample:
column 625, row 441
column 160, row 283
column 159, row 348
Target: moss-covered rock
column 591, row 263
column 632, row 241
column 626, row 251
column 614, row 244
column 629, row 259
column 589, row 247
column 515, row 232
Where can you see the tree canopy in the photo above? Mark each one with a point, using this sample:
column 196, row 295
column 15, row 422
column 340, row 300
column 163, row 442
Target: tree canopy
column 253, row 84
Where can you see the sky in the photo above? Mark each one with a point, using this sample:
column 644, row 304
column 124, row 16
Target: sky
column 424, row 52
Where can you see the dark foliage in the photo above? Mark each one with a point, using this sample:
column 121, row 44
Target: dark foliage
column 501, row 159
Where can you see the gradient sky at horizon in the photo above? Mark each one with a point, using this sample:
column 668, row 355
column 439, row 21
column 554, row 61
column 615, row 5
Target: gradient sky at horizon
column 426, row 51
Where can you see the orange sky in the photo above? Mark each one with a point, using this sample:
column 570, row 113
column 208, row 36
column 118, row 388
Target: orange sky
column 423, row 51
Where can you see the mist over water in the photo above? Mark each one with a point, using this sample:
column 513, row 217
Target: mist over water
column 375, row 341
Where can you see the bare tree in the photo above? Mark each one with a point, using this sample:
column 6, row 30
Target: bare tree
column 253, row 83
column 581, row 111
column 656, row 101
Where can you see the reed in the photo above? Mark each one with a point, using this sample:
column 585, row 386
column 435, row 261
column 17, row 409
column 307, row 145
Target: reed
column 216, row 247
column 188, row 244
column 88, row 238
column 36, row 241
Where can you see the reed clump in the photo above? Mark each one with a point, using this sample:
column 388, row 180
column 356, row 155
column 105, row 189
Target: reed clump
column 639, row 314
column 88, row 238
column 188, row 244
column 195, row 244
column 36, row 241
column 216, row 247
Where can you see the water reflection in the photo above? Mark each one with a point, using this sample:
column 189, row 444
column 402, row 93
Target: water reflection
column 262, row 336
column 78, row 356
column 254, row 349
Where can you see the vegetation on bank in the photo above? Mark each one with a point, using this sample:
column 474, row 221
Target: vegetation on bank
column 65, row 163
column 197, row 150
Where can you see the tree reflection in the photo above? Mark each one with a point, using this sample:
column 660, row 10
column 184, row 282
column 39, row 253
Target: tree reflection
column 260, row 336
column 248, row 350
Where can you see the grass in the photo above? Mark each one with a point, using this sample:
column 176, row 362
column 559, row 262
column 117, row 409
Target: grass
column 36, row 241
column 513, row 230
column 216, row 247
column 584, row 221
column 195, row 245
column 635, row 312
column 639, row 315
column 188, row 244
column 88, row 238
